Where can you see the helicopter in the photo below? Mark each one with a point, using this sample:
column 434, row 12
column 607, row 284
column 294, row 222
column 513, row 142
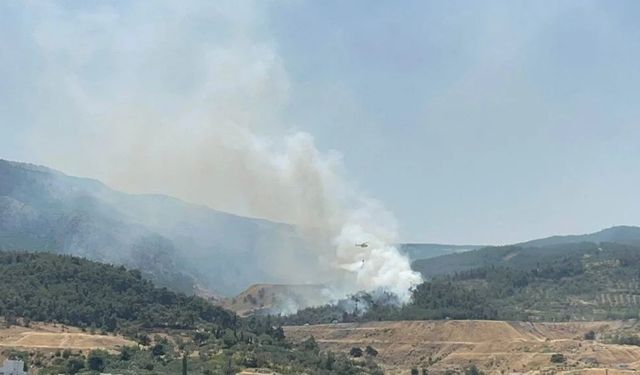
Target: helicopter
column 362, row 244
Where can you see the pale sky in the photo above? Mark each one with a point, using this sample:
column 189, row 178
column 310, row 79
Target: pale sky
column 473, row 121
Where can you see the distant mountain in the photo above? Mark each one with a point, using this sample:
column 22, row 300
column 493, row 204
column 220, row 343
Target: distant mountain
column 625, row 235
column 176, row 244
column 417, row 251
column 526, row 254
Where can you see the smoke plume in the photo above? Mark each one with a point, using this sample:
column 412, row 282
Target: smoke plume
column 191, row 101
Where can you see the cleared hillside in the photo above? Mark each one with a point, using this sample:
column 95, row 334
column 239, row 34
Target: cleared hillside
column 275, row 299
column 495, row 346
column 54, row 337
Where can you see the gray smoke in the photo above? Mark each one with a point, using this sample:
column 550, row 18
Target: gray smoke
column 188, row 100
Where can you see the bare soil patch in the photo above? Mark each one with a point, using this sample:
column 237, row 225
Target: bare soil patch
column 497, row 347
column 47, row 336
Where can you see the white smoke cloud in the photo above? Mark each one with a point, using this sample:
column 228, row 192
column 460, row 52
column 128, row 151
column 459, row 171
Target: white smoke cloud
column 188, row 100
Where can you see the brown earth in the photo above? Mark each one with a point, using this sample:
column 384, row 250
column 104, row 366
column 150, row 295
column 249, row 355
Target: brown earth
column 497, row 347
column 274, row 298
column 47, row 336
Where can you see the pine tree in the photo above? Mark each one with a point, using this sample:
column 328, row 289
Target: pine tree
column 184, row 363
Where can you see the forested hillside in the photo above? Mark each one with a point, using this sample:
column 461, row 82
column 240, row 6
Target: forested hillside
column 174, row 243
column 568, row 282
column 526, row 254
column 78, row 292
column 417, row 251
column 104, row 298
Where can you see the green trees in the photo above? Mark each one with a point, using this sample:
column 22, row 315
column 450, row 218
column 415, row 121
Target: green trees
column 542, row 284
column 355, row 352
column 184, row 363
column 158, row 350
column 370, row 351
column 310, row 344
column 74, row 291
column 330, row 361
column 127, row 352
column 96, row 360
column 473, row 370
column 82, row 293
column 229, row 339
column 278, row 334
column 74, row 365
column 627, row 339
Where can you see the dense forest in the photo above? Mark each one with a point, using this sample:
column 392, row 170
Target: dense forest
column 74, row 291
column 569, row 282
column 168, row 326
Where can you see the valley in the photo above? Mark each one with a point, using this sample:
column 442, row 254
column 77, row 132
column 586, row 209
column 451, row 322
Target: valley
column 171, row 292
column 319, row 187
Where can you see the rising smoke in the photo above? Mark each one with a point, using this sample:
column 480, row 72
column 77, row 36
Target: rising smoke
column 190, row 101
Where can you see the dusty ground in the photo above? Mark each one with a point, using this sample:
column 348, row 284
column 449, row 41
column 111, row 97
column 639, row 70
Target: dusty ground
column 46, row 336
column 495, row 346
column 277, row 297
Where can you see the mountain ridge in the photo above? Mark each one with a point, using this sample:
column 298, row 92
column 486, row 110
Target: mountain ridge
column 525, row 252
column 625, row 234
column 178, row 244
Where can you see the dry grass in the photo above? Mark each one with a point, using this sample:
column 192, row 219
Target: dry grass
column 497, row 347
column 47, row 336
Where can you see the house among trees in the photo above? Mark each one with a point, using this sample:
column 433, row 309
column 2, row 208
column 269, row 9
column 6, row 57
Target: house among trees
column 13, row 367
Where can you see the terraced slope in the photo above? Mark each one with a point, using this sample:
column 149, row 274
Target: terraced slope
column 46, row 336
column 495, row 346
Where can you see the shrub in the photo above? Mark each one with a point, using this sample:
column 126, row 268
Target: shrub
column 126, row 353
column 310, row 344
column 557, row 358
column 250, row 361
column 158, row 350
column 355, row 352
column 590, row 335
column 74, row 365
column 371, row 351
column 97, row 360
column 473, row 370
column 627, row 340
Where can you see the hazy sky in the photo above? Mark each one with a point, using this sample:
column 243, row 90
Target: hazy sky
column 473, row 121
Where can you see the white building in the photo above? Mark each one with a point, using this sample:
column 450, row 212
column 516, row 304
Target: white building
column 11, row 367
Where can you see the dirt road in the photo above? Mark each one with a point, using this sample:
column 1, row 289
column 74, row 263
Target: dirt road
column 497, row 347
